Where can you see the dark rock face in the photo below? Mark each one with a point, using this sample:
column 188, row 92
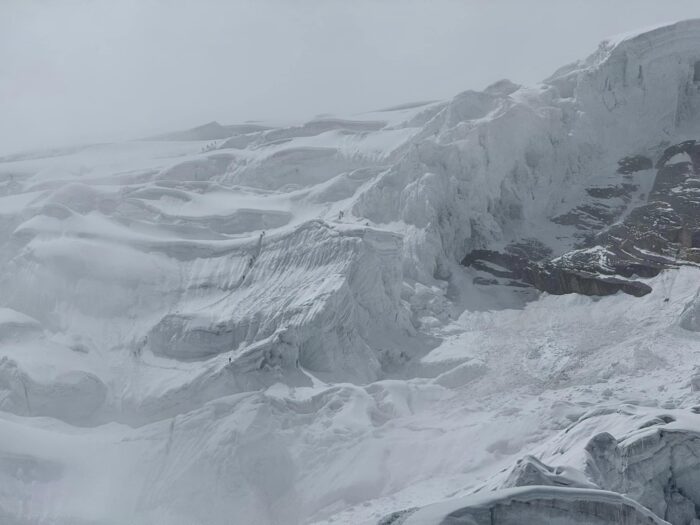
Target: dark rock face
column 633, row 164
column 663, row 233
column 604, row 204
column 533, row 249
column 397, row 518
column 609, row 192
column 552, row 277
column 559, row 281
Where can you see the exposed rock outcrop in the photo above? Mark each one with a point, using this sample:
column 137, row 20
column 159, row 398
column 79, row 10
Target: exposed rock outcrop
column 662, row 233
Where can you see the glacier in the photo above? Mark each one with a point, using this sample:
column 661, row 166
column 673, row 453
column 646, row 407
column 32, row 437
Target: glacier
column 480, row 310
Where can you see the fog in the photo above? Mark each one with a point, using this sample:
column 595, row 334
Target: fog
column 92, row 71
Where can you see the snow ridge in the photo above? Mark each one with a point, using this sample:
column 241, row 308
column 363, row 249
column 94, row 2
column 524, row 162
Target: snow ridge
column 273, row 325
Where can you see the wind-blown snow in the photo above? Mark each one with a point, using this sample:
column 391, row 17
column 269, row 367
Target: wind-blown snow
column 274, row 327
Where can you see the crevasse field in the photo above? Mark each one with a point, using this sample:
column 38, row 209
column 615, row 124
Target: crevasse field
column 274, row 325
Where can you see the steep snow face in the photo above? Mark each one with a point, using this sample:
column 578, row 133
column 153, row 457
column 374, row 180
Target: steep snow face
column 272, row 325
column 512, row 158
column 646, row 82
column 691, row 316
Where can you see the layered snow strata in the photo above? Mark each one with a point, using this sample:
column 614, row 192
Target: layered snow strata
column 657, row 464
column 659, row 469
column 327, row 299
column 537, row 504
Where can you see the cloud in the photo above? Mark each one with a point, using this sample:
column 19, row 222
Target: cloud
column 93, row 70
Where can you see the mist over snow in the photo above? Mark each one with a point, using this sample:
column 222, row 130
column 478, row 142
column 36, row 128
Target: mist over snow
column 318, row 263
column 85, row 71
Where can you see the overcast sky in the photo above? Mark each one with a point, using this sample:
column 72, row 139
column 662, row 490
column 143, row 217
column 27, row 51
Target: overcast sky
column 74, row 71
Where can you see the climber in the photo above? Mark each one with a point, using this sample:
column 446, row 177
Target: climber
column 340, row 215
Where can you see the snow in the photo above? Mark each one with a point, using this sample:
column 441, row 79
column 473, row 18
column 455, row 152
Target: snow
column 279, row 330
column 539, row 503
column 678, row 158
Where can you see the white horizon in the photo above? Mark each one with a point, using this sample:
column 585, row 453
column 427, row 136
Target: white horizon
column 80, row 72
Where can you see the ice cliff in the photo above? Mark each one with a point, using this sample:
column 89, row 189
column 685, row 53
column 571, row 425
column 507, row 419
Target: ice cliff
column 348, row 319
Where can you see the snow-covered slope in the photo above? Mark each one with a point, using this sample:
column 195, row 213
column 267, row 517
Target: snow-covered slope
column 340, row 320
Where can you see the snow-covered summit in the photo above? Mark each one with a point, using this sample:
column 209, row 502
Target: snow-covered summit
column 336, row 320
